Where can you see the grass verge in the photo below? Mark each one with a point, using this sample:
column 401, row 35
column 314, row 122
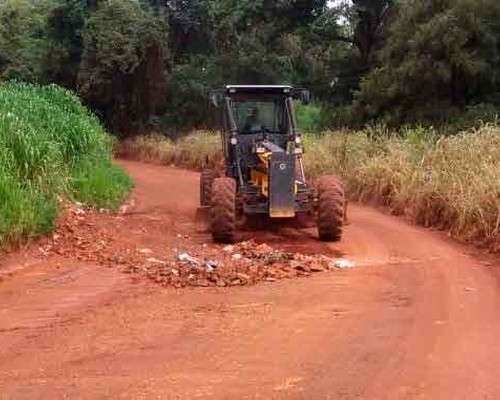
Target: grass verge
column 448, row 182
column 50, row 146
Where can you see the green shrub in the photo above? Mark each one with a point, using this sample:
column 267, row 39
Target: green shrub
column 24, row 211
column 50, row 145
column 99, row 182
column 309, row 118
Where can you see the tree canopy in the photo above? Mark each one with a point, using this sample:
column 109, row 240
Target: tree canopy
column 146, row 64
column 439, row 57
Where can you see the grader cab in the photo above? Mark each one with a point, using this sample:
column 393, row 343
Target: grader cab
column 263, row 166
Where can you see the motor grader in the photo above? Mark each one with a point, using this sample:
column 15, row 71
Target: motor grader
column 263, row 171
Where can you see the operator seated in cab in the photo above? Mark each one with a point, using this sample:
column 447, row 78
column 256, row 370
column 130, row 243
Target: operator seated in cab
column 253, row 123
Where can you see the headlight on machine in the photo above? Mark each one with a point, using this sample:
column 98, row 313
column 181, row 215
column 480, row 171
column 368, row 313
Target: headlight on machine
column 298, row 140
column 234, row 141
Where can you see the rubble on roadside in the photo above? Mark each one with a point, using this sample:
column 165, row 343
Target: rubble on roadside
column 241, row 264
column 80, row 237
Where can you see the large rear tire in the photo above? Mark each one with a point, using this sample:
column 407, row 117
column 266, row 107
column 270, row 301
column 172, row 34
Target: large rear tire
column 330, row 212
column 206, row 180
column 223, row 210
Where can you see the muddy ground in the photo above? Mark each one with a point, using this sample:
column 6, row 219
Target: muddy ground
column 93, row 312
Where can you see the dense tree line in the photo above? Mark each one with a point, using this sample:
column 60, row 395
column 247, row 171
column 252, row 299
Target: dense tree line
column 440, row 58
column 146, row 64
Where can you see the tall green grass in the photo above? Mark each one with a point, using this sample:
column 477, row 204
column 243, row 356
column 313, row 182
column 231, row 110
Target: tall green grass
column 50, row 145
column 448, row 182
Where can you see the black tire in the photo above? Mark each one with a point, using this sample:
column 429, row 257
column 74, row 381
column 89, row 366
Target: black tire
column 223, row 210
column 206, row 180
column 330, row 211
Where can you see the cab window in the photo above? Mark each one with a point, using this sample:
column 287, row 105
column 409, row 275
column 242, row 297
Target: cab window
column 257, row 116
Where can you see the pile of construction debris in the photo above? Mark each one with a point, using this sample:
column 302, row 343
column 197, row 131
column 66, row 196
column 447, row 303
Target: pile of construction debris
column 242, row 264
column 90, row 236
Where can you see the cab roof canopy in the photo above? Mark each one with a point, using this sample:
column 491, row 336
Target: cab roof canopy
column 258, row 89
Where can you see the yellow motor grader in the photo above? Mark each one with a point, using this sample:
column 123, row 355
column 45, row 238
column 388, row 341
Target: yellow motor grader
column 263, row 166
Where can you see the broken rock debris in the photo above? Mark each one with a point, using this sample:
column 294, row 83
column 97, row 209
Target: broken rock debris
column 237, row 265
column 82, row 235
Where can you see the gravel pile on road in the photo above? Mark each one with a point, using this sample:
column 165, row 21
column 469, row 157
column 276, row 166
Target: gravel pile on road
column 245, row 263
column 88, row 236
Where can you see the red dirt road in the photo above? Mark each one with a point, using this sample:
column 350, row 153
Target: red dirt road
column 418, row 319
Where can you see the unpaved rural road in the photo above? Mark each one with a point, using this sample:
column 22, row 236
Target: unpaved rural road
column 418, row 319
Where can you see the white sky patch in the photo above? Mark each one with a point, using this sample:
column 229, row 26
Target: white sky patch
column 333, row 3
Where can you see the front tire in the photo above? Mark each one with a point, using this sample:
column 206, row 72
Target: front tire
column 223, row 210
column 330, row 211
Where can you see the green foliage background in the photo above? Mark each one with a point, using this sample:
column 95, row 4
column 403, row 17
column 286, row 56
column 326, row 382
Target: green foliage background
column 146, row 65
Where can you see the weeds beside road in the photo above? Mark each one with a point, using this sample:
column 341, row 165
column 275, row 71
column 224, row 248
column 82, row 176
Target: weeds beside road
column 50, row 146
column 194, row 151
column 448, row 182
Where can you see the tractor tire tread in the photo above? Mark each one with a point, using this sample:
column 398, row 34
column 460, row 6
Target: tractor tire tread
column 223, row 210
column 330, row 216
